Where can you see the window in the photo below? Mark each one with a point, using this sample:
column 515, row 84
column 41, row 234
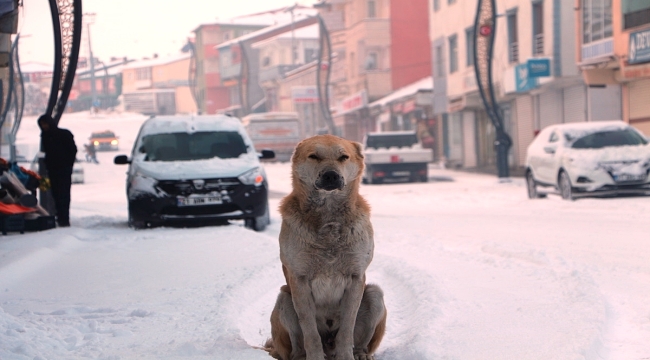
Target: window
column 596, row 20
column 310, row 55
column 635, row 13
column 143, row 73
column 266, row 62
column 440, row 62
column 513, row 43
column 372, row 61
column 451, row 2
column 538, row 28
column 372, row 9
column 453, row 54
column 469, row 41
column 436, row 5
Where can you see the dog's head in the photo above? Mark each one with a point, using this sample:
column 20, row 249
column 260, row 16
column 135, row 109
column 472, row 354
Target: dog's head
column 327, row 163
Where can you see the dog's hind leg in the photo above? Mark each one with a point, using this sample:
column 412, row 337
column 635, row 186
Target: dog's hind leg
column 370, row 324
column 285, row 328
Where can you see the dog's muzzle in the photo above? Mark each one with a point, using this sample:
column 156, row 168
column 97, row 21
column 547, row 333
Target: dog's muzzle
column 330, row 180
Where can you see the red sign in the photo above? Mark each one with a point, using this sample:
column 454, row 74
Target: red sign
column 485, row 30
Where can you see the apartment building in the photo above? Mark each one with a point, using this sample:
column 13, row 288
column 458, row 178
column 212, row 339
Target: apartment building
column 614, row 52
column 379, row 46
column 158, row 86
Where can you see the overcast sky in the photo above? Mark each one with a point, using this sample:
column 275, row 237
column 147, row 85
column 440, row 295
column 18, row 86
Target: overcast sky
column 134, row 28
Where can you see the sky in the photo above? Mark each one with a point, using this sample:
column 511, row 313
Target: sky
column 470, row 268
column 134, row 28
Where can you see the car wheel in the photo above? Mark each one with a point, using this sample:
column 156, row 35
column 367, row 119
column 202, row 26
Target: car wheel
column 258, row 223
column 136, row 224
column 531, row 186
column 564, row 184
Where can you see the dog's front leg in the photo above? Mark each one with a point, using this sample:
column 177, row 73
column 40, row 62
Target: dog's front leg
column 303, row 303
column 349, row 308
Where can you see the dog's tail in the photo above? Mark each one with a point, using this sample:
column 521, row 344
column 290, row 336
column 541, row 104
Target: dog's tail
column 269, row 348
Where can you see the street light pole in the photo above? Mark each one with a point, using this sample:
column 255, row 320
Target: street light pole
column 93, row 89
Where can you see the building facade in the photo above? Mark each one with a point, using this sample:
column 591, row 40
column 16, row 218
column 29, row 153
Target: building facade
column 158, row 86
column 379, row 46
column 614, row 52
column 536, row 78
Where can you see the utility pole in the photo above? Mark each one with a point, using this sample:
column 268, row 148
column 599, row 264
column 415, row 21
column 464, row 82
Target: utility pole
column 293, row 34
column 90, row 19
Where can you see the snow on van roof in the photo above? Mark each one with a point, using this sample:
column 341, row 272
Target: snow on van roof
column 190, row 124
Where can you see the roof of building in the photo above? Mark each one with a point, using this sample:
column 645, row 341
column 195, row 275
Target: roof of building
column 286, row 21
column 425, row 84
column 265, row 18
column 157, row 61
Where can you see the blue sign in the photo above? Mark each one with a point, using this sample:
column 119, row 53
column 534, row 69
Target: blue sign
column 524, row 82
column 539, row 67
column 639, row 47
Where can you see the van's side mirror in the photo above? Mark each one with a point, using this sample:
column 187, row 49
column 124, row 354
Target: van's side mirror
column 267, row 154
column 121, row 160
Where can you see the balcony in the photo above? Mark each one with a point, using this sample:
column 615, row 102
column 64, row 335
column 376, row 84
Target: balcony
column 513, row 52
column 598, row 49
column 230, row 72
column 275, row 73
column 538, row 46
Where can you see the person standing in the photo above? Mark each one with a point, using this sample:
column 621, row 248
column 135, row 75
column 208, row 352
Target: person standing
column 60, row 154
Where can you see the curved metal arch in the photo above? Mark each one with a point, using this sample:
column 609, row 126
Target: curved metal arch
column 323, row 74
column 66, row 23
column 483, row 54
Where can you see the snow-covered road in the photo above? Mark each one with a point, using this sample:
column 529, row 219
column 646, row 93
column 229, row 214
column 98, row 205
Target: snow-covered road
column 471, row 269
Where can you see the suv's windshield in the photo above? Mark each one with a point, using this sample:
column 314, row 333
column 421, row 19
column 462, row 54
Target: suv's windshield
column 603, row 139
column 194, row 146
column 104, row 134
column 386, row 141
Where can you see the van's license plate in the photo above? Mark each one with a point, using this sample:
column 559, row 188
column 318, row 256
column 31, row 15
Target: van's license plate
column 199, row 200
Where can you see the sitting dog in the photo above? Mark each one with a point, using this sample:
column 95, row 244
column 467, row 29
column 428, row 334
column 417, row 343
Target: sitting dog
column 326, row 310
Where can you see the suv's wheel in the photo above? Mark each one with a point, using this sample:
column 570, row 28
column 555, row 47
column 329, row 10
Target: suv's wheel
column 531, row 186
column 258, row 223
column 564, row 184
column 136, row 224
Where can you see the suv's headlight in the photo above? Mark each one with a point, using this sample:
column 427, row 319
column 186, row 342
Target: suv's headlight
column 253, row 176
column 143, row 184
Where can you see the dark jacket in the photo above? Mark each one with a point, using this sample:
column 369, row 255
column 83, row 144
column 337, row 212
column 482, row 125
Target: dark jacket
column 58, row 145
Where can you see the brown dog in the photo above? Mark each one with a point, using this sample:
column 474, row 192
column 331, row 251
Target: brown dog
column 326, row 310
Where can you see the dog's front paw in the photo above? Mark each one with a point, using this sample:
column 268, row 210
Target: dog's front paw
column 364, row 357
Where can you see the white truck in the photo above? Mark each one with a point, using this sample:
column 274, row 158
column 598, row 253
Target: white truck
column 277, row 131
column 395, row 155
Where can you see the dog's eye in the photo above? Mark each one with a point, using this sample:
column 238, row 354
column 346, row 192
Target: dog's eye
column 313, row 156
column 343, row 158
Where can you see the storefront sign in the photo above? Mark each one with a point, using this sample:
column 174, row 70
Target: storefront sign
column 639, row 47
column 354, row 102
column 524, row 82
column 304, row 94
column 538, row 67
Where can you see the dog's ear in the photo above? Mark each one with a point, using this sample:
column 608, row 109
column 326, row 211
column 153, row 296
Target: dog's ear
column 359, row 148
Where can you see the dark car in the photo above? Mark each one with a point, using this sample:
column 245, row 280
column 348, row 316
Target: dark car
column 195, row 168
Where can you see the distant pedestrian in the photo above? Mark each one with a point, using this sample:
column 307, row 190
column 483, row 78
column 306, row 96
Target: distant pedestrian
column 91, row 153
column 60, row 154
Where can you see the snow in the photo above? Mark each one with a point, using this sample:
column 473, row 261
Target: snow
column 470, row 268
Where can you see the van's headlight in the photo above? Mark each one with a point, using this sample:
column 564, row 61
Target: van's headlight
column 141, row 183
column 253, row 176
column 113, row 142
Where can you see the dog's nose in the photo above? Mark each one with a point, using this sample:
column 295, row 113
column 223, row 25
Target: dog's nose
column 330, row 180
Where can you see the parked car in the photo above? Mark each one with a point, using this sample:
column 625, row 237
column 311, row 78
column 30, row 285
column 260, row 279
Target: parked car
column 104, row 140
column 587, row 159
column 78, row 175
column 195, row 168
column 395, row 156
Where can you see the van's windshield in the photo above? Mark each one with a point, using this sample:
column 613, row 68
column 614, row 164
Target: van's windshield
column 194, row 146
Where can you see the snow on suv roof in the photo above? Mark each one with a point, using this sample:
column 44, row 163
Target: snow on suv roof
column 190, row 124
